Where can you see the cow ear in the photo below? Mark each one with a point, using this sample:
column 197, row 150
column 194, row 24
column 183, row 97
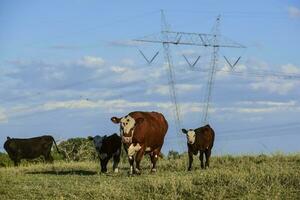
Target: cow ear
column 90, row 138
column 115, row 120
column 8, row 138
column 139, row 121
column 184, row 131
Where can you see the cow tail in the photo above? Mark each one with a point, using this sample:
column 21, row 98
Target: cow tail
column 213, row 139
column 55, row 145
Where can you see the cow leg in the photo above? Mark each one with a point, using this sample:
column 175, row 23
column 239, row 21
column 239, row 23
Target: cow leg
column 103, row 163
column 116, row 159
column 132, row 151
column 190, row 161
column 16, row 162
column 138, row 159
column 49, row 158
column 201, row 159
column 207, row 156
column 131, row 162
column 154, row 158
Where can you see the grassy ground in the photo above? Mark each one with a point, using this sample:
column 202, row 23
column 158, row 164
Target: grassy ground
column 241, row 177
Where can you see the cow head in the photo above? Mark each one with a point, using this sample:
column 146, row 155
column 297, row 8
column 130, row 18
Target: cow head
column 98, row 141
column 190, row 135
column 127, row 124
column 9, row 144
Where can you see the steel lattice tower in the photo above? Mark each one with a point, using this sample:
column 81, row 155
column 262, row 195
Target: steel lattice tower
column 211, row 40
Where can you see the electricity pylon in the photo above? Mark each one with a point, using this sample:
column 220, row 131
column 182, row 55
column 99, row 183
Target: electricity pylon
column 210, row 40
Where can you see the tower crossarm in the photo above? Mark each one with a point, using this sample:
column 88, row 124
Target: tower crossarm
column 195, row 39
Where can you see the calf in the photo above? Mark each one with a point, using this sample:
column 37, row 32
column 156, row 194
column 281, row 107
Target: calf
column 108, row 147
column 200, row 139
column 29, row 148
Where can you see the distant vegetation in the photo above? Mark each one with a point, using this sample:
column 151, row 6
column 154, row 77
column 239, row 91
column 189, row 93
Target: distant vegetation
column 230, row 177
column 76, row 149
column 4, row 160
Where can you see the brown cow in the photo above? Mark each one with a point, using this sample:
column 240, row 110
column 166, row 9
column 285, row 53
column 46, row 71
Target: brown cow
column 142, row 132
column 29, row 148
column 200, row 139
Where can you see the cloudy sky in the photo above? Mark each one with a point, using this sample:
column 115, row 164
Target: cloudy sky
column 67, row 67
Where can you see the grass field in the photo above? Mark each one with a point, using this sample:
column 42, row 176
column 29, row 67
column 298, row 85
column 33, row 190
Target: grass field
column 239, row 177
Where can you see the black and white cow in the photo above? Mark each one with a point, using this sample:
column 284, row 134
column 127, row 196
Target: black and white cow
column 108, row 147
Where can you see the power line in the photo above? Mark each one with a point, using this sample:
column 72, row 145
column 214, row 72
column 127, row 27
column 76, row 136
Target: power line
column 259, row 74
column 261, row 128
column 255, row 135
column 244, row 14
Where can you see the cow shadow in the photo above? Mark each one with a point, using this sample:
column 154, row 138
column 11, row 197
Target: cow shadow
column 67, row 172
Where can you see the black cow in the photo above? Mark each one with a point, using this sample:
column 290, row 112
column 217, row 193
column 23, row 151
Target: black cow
column 108, row 147
column 200, row 139
column 29, row 148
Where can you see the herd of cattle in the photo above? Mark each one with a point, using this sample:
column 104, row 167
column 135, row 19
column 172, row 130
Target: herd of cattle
column 140, row 133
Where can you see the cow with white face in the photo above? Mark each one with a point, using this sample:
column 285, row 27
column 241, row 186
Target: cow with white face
column 199, row 140
column 191, row 136
column 142, row 133
column 108, row 147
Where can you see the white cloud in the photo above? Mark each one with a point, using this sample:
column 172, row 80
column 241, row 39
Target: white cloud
column 186, row 108
column 127, row 61
column 274, row 85
column 73, row 104
column 257, row 110
column 162, row 90
column 131, row 75
column 256, row 64
column 188, row 52
column 91, row 62
column 180, row 89
column 64, row 47
column 262, row 106
column 118, row 69
column 294, row 12
column 3, row 117
column 223, row 72
column 157, row 73
column 120, row 105
column 7, row 70
column 267, row 103
column 128, row 43
column 290, row 69
column 185, row 88
column 58, row 75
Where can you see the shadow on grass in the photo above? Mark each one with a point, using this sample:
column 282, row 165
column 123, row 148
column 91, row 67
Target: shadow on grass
column 68, row 172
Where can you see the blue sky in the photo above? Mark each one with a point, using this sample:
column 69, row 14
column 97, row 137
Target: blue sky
column 67, row 67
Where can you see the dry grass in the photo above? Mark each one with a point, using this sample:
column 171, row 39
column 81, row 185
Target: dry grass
column 240, row 177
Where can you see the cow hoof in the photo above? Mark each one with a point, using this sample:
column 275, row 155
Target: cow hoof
column 189, row 169
column 116, row 170
column 130, row 173
column 153, row 170
column 137, row 172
